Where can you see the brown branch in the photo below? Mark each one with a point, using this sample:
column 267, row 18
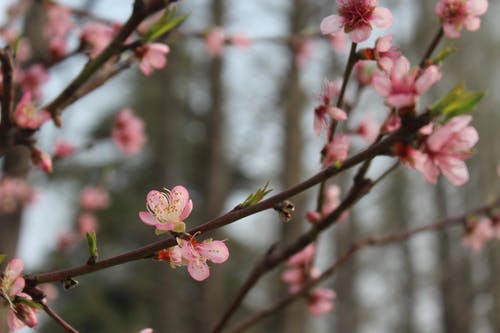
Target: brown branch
column 432, row 46
column 8, row 92
column 67, row 327
column 141, row 10
column 353, row 249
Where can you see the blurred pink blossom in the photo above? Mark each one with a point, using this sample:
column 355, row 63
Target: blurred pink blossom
column 92, row 198
column 63, row 148
column 385, row 53
column 87, row 222
column 455, row 14
column 330, row 90
column 338, row 42
column 356, row 18
column 41, row 159
column 368, row 129
column 27, row 115
column 241, row 40
column 152, row 56
column 32, row 80
column 214, row 41
column 337, row 150
column 304, row 49
column 364, row 70
column 97, row 36
column 478, row 233
column 14, row 192
column 128, row 132
column 321, row 301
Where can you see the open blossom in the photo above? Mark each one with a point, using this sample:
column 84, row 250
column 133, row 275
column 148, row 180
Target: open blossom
column 128, row 132
column 27, row 115
column 299, row 268
column 446, row 149
column 214, row 41
column 11, row 286
column 167, row 210
column 321, row 301
column 92, row 198
column 402, row 86
column 455, row 14
column 368, row 129
column 97, row 36
column 152, row 56
column 356, row 18
column 337, row 150
column 330, row 90
column 197, row 254
column 478, row 233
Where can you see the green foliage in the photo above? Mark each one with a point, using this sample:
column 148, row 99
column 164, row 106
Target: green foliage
column 2, row 257
column 92, row 246
column 443, row 54
column 256, row 197
column 458, row 101
column 165, row 23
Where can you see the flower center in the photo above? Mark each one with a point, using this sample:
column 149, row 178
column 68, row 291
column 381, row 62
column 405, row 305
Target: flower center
column 356, row 14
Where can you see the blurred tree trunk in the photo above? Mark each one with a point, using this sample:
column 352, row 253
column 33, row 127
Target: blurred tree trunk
column 294, row 317
column 455, row 276
column 216, row 178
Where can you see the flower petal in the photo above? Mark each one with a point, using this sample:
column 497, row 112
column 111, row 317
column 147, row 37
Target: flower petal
column 215, row 251
column 198, row 269
column 331, row 25
column 382, row 17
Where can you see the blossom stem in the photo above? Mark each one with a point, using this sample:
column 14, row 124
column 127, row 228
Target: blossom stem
column 347, row 255
column 432, row 46
column 58, row 319
column 8, row 92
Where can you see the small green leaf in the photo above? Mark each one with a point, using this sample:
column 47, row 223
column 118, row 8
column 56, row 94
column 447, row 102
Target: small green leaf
column 256, row 197
column 445, row 53
column 2, row 257
column 30, row 303
column 458, row 101
column 165, row 23
column 92, row 246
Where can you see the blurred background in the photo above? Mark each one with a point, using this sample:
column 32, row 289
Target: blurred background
column 222, row 126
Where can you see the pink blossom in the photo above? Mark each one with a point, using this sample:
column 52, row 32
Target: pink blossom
column 21, row 314
column 356, row 18
column 241, row 40
column 478, row 233
column 332, row 201
column 304, row 49
column 63, row 148
column 14, row 192
column 128, row 132
column 392, row 123
column 92, row 198
column 337, row 150
column 97, row 37
column 152, row 56
column 303, row 257
column 87, row 222
column 330, row 90
column 385, row 53
column 299, row 268
column 57, row 47
column 167, row 210
column 146, row 330
column 402, row 86
column 41, row 159
column 313, row 216
column 321, row 301
column 197, row 255
column 214, row 41
column 33, row 78
column 455, row 14
column 59, row 21
column 446, row 149
column 173, row 255
column 26, row 115
column 66, row 240
column 368, row 129
column 12, row 282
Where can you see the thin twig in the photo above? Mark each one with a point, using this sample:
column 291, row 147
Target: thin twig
column 347, row 255
column 8, row 92
column 58, row 319
column 432, row 47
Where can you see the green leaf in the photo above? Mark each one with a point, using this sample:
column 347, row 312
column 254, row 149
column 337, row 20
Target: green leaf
column 255, row 197
column 2, row 257
column 445, row 53
column 458, row 101
column 30, row 303
column 165, row 23
column 92, row 246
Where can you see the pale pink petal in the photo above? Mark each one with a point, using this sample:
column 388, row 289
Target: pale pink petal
column 147, row 218
column 382, row 84
column 215, row 251
column 472, row 23
column 360, row 34
column 17, row 287
column 477, row 7
column 180, row 196
column 401, row 100
column 337, row 114
column 382, row 17
column 331, row 25
column 430, row 76
column 146, row 330
column 451, row 31
column 292, row 275
column 383, row 44
column 198, row 269
column 400, row 69
column 187, row 210
column 454, row 170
